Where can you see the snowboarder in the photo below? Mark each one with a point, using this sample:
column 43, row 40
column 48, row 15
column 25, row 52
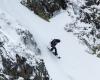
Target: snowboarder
column 53, row 46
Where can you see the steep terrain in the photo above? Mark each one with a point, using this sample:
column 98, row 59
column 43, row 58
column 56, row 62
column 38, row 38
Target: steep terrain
column 17, row 22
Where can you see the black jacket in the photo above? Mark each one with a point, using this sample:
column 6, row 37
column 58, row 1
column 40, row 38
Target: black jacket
column 54, row 42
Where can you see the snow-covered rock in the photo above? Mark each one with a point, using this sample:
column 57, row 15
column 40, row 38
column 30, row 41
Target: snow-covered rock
column 25, row 34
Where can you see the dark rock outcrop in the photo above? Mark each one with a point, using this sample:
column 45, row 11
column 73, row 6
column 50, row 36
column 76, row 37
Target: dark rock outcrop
column 22, row 69
column 45, row 8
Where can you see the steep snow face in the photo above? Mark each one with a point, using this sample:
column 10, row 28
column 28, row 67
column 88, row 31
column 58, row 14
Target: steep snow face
column 16, row 40
column 75, row 63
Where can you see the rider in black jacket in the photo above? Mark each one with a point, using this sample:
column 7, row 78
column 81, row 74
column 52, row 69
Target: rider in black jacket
column 53, row 46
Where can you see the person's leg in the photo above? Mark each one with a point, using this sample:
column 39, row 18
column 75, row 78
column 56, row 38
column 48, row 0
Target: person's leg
column 54, row 48
column 55, row 53
column 51, row 49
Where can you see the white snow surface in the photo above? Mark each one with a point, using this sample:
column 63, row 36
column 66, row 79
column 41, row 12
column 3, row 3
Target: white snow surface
column 75, row 63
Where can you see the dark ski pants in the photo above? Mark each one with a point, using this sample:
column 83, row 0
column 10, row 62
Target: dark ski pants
column 54, row 48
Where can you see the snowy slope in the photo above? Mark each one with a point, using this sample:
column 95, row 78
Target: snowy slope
column 75, row 63
column 10, row 36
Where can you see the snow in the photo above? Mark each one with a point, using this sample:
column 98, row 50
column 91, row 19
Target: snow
column 75, row 63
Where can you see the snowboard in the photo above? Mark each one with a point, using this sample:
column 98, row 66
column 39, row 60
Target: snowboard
column 53, row 53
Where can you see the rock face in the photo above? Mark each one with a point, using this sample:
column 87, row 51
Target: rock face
column 86, row 26
column 19, row 59
column 28, row 67
column 21, row 68
column 28, row 40
column 45, row 8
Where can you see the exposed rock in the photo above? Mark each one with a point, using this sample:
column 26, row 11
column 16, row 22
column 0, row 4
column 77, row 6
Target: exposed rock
column 22, row 69
column 29, row 41
column 45, row 8
column 87, row 25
